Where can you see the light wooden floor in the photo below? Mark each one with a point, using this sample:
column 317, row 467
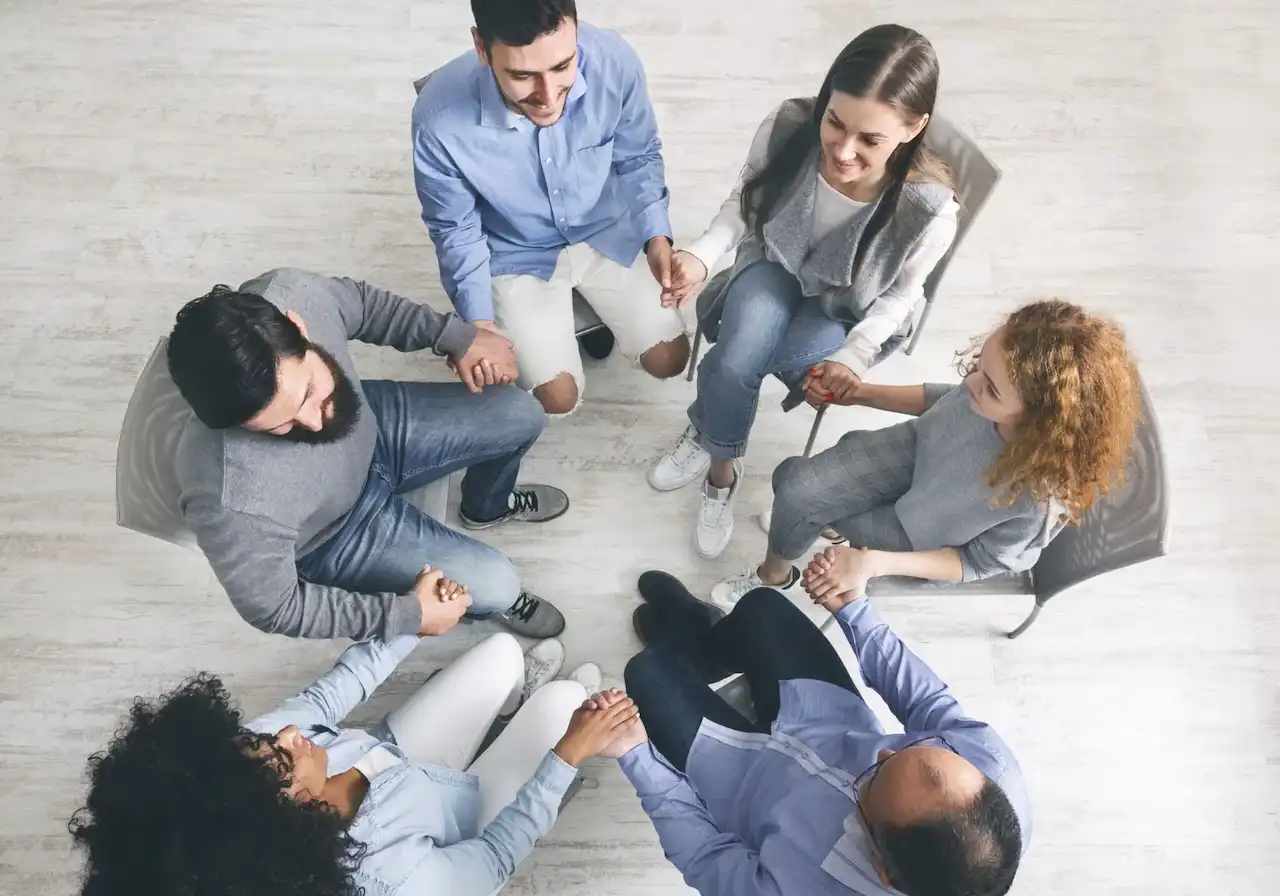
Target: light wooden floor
column 150, row 149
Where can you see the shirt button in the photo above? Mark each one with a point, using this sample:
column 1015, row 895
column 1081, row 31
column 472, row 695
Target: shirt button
column 555, row 192
column 547, row 160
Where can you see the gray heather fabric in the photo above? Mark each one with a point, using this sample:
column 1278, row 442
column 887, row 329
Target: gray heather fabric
column 917, row 485
column 258, row 502
column 826, row 270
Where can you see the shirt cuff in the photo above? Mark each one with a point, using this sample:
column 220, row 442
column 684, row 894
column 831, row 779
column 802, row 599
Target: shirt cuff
column 456, row 337
column 708, row 249
column 934, row 391
column 474, row 301
column 555, row 774
column 850, row 356
column 647, row 771
column 404, row 616
column 654, row 221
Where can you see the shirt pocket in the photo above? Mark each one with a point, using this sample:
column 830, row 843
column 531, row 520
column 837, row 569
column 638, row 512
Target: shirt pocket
column 592, row 166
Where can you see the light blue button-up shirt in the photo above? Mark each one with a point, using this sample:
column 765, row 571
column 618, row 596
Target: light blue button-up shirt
column 420, row 823
column 502, row 196
column 774, row 814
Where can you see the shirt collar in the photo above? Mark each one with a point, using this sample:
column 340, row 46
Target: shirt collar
column 494, row 111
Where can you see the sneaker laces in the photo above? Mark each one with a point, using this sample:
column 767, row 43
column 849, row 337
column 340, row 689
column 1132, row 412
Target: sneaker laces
column 524, row 500
column 524, row 607
column 686, row 449
column 743, row 584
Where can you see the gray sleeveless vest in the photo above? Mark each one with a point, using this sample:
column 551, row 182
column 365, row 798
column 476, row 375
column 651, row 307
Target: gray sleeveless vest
column 825, row 270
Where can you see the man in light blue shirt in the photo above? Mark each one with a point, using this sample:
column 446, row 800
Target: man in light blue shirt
column 539, row 168
column 813, row 797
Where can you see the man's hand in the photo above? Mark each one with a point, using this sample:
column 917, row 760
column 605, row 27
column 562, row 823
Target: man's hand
column 593, row 730
column 658, row 251
column 687, row 271
column 632, row 734
column 831, row 383
column 443, row 601
column 491, row 360
column 838, row 576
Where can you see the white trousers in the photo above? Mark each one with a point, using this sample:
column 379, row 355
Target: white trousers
column 446, row 720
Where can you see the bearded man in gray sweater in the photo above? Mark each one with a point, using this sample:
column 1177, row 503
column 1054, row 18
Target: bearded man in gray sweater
column 293, row 470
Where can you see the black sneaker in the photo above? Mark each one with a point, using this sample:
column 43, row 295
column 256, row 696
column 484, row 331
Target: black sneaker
column 654, row 626
column 528, row 504
column 532, row 617
column 598, row 343
column 669, row 594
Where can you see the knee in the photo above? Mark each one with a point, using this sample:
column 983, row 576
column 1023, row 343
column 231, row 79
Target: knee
column 643, row 673
column 559, row 396
column 503, row 657
column 667, row 359
column 557, row 698
column 728, row 359
column 522, row 413
column 764, row 606
column 786, row 480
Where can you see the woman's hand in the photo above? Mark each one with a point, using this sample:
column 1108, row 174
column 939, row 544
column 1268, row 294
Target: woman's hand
column 838, row 576
column 686, row 273
column 632, row 734
column 831, row 383
column 592, row 730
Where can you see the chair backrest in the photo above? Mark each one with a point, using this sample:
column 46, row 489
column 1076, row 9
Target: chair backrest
column 1128, row 526
column 975, row 177
column 147, row 489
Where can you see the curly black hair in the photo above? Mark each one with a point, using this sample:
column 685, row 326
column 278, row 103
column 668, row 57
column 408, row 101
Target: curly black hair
column 185, row 802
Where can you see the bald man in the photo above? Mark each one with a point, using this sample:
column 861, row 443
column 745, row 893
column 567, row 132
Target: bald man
column 814, row 797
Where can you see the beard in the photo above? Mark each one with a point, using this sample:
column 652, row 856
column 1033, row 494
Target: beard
column 341, row 411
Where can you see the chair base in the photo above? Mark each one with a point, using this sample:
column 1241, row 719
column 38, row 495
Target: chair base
column 1026, row 623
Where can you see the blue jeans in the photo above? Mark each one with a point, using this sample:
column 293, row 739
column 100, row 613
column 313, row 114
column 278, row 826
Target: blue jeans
column 768, row 327
column 425, row 432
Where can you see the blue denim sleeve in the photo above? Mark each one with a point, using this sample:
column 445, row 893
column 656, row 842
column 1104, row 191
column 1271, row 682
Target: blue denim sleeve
column 713, row 862
column 351, row 681
column 637, row 153
column 479, row 866
column 452, row 216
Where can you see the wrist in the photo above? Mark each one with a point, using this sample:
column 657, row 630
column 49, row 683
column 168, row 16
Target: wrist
column 569, row 752
column 880, row 563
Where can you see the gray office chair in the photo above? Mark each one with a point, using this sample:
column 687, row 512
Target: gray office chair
column 585, row 319
column 147, row 490
column 975, row 177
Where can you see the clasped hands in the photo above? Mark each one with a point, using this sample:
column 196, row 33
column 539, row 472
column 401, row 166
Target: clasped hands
column 838, row 576
column 606, row 725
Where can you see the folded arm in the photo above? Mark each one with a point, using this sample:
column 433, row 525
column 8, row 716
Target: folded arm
column 891, row 311
column 452, row 216
column 479, row 866
column 255, row 560
column 713, row 862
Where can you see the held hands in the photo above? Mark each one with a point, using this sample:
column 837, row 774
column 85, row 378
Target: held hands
column 598, row 726
column 491, row 360
column 687, row 271
column 831, row 383
column 443, row 601
column 838, row 576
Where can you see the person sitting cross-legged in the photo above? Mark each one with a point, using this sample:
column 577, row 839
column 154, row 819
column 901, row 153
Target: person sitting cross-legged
column 190, row 798
column 293, row 471
column 813, row 796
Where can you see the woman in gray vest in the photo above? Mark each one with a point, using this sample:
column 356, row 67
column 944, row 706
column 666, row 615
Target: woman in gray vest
column 838, row 217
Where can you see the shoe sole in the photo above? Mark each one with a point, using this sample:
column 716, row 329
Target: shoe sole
column 679, row 485
column 508, row 518
column 635, row 624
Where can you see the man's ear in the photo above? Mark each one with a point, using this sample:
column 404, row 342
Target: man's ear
column 298, row 322
column 480, row 51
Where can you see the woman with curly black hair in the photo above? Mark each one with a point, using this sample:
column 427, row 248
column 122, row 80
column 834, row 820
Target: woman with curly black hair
column 188, row 799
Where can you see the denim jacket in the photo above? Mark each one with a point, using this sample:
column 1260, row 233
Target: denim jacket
column 420, row 823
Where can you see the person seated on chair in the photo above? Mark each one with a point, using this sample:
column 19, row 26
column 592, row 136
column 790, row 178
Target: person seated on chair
column 839, row 215
column 812, row 796
column 539, row 169
column 293, row 471
column 984, row 477
column 189, row 798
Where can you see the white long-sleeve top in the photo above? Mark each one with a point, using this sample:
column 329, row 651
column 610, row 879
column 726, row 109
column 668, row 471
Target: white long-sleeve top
column 831, row 209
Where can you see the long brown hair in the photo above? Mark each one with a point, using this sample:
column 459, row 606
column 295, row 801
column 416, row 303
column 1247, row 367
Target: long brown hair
column 889, row 64
column 1081, row 398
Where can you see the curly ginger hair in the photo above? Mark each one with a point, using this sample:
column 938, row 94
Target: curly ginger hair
column 1081, row 396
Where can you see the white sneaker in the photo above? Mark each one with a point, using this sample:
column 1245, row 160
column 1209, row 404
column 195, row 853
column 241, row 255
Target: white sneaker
column 682, row 464
column 590, row 677
column 727, row 594
column 542, row 663
column 714, row 528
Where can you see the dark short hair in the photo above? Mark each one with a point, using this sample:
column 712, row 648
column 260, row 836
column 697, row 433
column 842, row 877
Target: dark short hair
column 518, row 23
column 184, row 800
column 971, row 852
column 224, row 351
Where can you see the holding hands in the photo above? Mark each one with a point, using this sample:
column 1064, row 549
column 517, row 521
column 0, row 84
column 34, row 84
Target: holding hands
column 838, row 576
column 687, row 271
column 602, row 726
column 491, row 360
column 443, row 601
column 831, row 383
